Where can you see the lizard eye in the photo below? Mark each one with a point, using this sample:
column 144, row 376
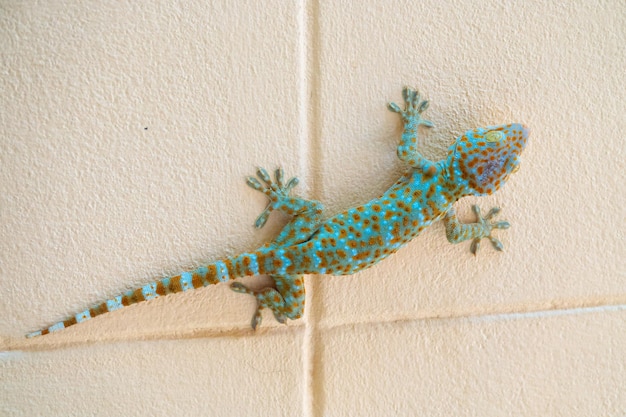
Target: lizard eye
column 494, row 136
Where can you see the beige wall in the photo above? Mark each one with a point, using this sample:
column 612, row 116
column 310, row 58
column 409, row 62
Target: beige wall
column 126, row 133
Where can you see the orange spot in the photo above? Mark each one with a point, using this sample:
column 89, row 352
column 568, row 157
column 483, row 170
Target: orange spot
column 175, row 284
column 292, row 267
column 138, row 295
column 323, row 262
column 196, row 280
column 160, row 288
column 229, row 265
column 361, row 255
column 431, row 192
column 69, row 322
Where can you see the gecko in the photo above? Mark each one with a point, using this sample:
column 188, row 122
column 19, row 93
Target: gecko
column 478, row 163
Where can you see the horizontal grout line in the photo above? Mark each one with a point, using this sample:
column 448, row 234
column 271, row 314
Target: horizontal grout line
column 529, row 312
column 548, row 313
column 16, row 346
column 39, row 344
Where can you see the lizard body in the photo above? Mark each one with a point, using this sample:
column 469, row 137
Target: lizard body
column 478, row 163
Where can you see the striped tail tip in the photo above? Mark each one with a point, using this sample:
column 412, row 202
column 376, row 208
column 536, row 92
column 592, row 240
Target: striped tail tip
column 216, row 272
column 54, row 328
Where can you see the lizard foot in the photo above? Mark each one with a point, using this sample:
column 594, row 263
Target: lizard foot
column 487, row 227
column 274, row 190
column 266, row 298
column 413, row 108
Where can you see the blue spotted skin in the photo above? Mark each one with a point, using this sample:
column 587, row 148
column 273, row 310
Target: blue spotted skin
column 478, row 163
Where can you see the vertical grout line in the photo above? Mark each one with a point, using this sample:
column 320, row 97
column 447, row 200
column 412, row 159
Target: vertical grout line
column 309, row 138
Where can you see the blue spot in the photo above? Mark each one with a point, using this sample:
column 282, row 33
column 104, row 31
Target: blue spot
column 185, row 281
column 222, row 271
column 166, row 284
column 84, row 316
column 254, row 264
column 115, row 303
column 56, row 327
column 316, row 260
column 149, row 291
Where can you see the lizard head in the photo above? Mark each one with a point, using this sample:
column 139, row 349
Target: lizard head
column 486, row 157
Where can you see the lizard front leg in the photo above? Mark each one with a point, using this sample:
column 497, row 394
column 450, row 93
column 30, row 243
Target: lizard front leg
column 286, row 300
column 412, row 118
column 307, row 214
column 457, row 232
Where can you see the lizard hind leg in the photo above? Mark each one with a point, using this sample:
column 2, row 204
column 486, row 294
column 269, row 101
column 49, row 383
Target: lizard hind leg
column 306, row 214
column 286, row 300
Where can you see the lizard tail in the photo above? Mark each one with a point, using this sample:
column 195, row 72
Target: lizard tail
column 214, row 273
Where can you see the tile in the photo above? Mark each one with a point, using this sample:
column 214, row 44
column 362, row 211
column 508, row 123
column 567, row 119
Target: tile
column 480, row 64
column 571, row 364
column 128, row 132
column 229, row 376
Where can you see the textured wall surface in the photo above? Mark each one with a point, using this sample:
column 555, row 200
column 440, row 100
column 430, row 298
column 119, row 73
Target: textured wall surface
column 126, row 132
